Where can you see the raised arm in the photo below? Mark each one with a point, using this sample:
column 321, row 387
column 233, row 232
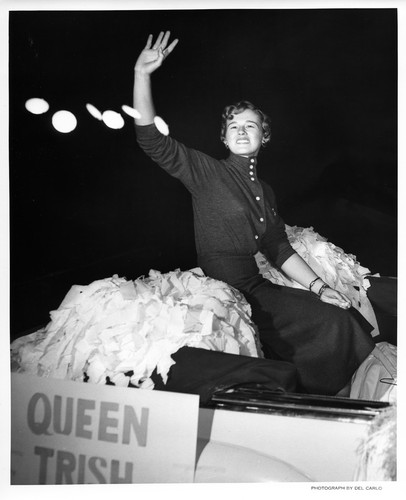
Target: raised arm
column 150, row 59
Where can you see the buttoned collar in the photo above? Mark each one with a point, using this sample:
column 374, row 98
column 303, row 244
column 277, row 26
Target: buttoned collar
column 242, row 162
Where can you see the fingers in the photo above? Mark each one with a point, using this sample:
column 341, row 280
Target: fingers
column 337, row 303
column 149, row 42
column 165, row 39
column 344, row 304
column 344, row 300
column 336, row 299
column 171, row 47
column 162, row 42
column 158, row 40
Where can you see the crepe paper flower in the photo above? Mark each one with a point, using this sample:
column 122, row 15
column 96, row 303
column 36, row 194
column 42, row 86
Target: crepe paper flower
column 112, row 327
column 376, row 378
column 338, row 269
column 377, row 453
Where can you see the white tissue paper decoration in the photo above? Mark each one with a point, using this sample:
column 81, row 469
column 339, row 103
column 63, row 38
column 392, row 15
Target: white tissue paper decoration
column 124, row 330
column 377, row 451
column 338, row 269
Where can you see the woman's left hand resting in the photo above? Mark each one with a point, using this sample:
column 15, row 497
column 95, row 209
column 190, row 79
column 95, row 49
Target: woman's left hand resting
column 335, row 298
column 297, row 269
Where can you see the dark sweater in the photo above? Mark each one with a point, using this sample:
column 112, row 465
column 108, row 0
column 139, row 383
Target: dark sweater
column 235, row 213
column 325, row 343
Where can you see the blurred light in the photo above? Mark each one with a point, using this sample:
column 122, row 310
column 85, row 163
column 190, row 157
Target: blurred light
column 94, row 111
column 37, row 106
column 64, row 121
column 161, row 125
column 113, row 119
column 131, row 111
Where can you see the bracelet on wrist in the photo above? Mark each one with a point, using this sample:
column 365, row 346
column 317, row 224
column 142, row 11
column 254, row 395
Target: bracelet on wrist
column 313, row 282
column 321, row 290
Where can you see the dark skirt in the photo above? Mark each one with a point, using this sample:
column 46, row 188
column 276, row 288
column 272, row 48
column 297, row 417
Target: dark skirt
column 325, row 343
column 203, row 372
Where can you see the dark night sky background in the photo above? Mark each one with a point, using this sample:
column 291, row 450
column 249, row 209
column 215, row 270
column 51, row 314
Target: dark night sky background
column 89, row 204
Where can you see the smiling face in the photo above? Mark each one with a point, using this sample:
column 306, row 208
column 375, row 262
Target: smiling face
column 243, row 134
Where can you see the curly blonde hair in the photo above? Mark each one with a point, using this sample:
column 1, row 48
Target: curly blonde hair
column 234, row 109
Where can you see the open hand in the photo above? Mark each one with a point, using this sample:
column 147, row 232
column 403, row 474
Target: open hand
column 154, row 55
column 335, row 298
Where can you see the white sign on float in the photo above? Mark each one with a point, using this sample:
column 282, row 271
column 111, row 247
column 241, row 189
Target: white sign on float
column 65, row 432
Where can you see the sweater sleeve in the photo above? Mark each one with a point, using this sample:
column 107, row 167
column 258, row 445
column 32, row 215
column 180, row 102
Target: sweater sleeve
column 186, row 164
column 274, row 242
